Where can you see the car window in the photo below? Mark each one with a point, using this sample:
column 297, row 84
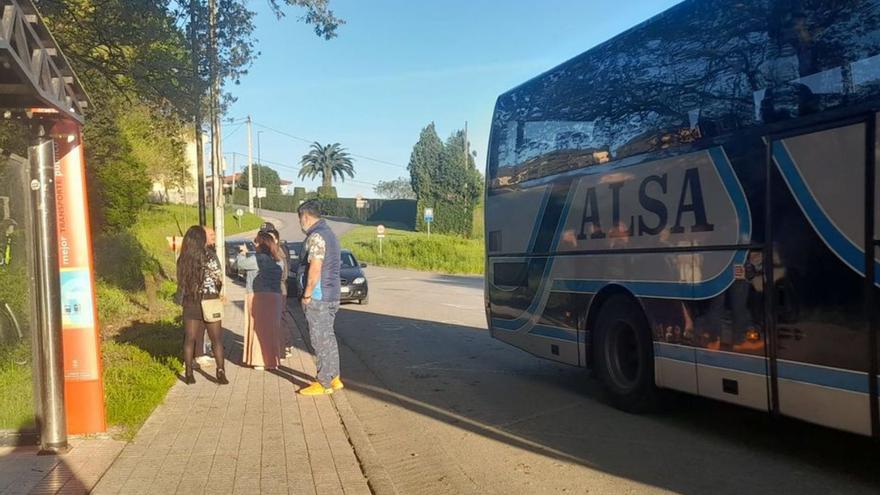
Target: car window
column 348, row 260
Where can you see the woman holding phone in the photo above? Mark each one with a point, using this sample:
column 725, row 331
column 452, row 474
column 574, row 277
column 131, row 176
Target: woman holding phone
column 261, row 341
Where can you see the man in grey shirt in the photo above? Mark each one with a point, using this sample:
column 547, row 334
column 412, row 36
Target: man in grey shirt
column 320, row 298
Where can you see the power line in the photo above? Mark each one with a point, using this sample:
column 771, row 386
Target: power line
column 294, row 168
column 233, row 131
column 310, row 141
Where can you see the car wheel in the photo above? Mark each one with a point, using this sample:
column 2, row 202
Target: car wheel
column 364, row 301
column 623, row 355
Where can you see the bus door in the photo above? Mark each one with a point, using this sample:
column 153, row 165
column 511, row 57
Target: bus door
column 816, row 270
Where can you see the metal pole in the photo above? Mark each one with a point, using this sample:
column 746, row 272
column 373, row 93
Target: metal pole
column 216, row 144
column 200, row 152
column 259, row 172
column 250, row 158
column 53, row 424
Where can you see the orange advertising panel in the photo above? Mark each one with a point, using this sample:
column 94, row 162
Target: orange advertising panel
column 83, row 386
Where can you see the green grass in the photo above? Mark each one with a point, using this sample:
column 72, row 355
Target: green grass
column 17, row 404
column 416, row 250
column 141, row 363
column 135, row 381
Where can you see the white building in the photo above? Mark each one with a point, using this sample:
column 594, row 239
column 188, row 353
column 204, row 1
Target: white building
column 189, row 194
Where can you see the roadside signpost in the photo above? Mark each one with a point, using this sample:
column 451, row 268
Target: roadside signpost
column 238, row 214
column 380, row 234
column 429, row 217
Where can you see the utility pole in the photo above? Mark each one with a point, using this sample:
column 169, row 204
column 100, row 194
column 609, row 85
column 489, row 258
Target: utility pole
column 200, row 152
column 232, row 186
column 216, row 141
column 467, row 146
column 250, row 158
column 259, row 172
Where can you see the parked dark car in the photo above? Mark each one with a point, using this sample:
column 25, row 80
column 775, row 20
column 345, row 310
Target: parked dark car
column 231, row 252
column 353, row 281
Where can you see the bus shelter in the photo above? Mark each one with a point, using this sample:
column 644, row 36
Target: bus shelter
column 48, row 319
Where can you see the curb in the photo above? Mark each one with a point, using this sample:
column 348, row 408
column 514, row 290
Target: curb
column 377, row 477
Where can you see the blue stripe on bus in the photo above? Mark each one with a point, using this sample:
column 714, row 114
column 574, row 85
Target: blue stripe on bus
column 735, row 190
column 555, row 332
column 669, row 290
column 523, row 319
column 853, row 381
column 675, row 352
column 740, row 362
column 536, row 228
column 836, row 240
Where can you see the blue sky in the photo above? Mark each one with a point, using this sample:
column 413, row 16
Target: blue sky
column 398, row 65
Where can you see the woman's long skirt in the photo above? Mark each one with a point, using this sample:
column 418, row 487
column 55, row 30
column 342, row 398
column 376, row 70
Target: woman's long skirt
column 261, row 340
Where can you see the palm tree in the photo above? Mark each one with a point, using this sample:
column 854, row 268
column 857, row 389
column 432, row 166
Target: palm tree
column 330, row 162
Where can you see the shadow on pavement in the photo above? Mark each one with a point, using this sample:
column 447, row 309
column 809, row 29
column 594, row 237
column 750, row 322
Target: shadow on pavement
column 460, row 376
column 22, row 470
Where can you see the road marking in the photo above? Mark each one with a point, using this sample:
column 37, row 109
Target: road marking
column 461, row 306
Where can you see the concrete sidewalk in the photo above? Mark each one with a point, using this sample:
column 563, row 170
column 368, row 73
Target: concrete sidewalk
column 255, row 435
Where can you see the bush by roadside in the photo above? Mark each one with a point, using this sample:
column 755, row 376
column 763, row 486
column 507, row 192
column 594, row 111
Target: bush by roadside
column 417, row 250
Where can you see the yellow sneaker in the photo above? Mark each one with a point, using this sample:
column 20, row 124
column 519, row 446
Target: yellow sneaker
column 316, row 389
column 337, row 384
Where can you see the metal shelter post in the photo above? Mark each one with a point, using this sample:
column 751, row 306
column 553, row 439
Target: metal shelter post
column 53, row 423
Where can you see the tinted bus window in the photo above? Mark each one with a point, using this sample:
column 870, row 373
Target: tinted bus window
column 701, row 70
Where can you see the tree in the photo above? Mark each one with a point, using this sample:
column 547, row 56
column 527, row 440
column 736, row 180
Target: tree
column 399, row 188
column 424, row 164
column 458, row 187
column 157, row 142
column 327, row 161
column 130, row 53
column 264, row 177
column 444, row 177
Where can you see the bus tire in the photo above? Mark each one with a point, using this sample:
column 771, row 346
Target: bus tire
column 624, row 355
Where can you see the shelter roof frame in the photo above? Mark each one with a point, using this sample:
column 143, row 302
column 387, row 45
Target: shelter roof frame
column 35, row 76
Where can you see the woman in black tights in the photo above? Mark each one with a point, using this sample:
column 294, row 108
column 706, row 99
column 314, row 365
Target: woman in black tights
column 199, row 277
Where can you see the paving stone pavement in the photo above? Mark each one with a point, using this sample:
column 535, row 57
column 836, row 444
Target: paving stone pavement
column 22, row 471
column 255, row 435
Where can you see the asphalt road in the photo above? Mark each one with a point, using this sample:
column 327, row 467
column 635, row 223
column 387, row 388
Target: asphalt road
column 288, row 226
column 450, row 410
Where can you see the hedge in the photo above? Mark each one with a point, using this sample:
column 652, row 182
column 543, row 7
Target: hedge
column 397, row 213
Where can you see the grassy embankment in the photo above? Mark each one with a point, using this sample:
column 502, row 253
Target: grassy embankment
column 139, row 323
column 417, row 250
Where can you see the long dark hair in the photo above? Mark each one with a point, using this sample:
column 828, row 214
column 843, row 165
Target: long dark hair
column 266, row 244
column 191, row 263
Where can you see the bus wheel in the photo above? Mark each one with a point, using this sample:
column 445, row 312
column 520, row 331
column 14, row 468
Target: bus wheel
column 624, row 357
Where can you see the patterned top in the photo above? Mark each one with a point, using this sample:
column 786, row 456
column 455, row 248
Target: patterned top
column 316, row 246
column 213, row 281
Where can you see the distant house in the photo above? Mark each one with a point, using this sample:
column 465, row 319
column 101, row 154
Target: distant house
column 229, row 182
column 286, row 187
column 160, row 193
